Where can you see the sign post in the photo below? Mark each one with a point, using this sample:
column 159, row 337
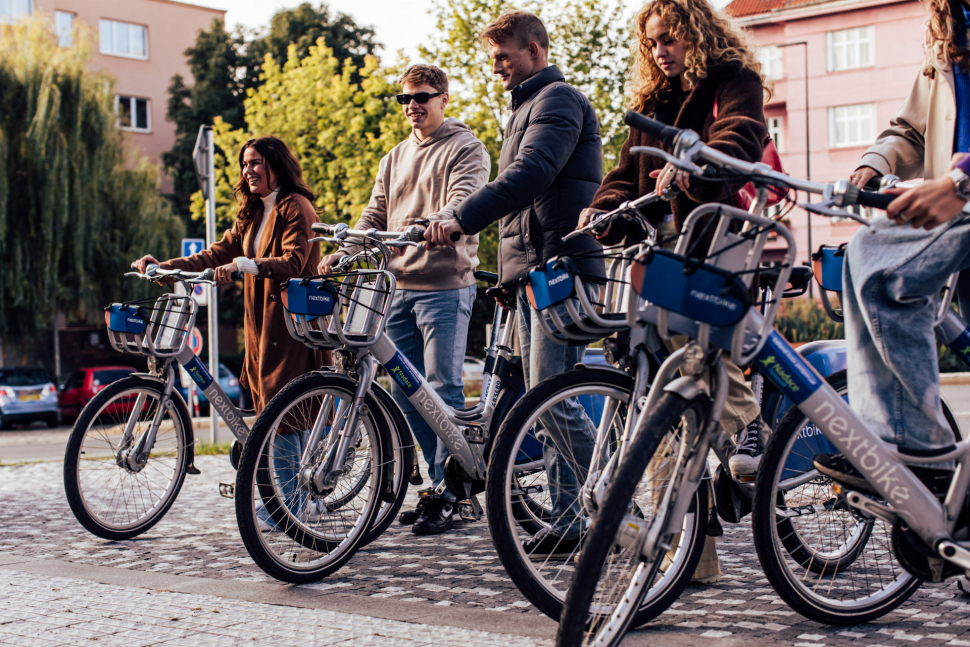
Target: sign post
column 204, row 158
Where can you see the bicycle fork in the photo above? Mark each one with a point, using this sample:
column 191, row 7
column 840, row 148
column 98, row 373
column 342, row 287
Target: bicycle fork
column 135, row 458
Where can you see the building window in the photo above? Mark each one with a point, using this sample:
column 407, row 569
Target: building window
column 64, row 26
column 123, row 39
column 134, row 114
column 852, row 125
column 12, row 10
column 771, row 62
column 850, row 48
column 776, row 130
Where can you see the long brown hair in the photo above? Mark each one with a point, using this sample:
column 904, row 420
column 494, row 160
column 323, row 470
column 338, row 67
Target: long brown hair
column 289, row 178
column 941, row 30
column 709, row 38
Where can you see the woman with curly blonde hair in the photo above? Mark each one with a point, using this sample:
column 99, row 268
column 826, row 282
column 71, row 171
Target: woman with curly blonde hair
column 693, row 70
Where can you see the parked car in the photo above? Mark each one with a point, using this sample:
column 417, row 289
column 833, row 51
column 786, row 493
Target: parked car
column 27, row 394
column 472, row 370
column 229, row 384
column 85, row 384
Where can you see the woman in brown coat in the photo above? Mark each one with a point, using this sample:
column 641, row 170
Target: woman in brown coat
column 692, row 70
column 268, row 243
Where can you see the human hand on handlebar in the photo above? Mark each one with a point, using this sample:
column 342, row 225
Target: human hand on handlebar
column 587, row 215
column 440, row 232
column 929, row 205
column 142, row 263
column 327, row 262
column 669, row 173
column 223, row 273
column 861, row 176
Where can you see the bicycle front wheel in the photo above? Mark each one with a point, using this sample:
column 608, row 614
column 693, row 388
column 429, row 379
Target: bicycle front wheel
column 293, row 531
column 617, row 586
column 109, row 496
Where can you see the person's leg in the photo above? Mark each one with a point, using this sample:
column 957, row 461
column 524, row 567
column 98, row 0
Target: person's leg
column 892, row 277
column 567, row 433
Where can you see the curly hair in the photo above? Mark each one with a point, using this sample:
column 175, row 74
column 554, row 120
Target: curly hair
column 289, row 179
column 944, row 23
column 709, row 39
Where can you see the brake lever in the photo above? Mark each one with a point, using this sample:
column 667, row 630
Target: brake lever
column 682, row 164
column 823, row 209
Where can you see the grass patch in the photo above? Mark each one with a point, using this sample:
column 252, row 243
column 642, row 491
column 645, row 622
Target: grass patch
column 211, row 449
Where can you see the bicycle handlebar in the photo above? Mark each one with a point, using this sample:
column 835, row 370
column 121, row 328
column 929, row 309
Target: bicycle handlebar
column 341, row 230
column 153, row 273
column 666, row 134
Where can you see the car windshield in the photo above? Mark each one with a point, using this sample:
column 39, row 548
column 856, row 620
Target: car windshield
column 224, row 371
column 111, row 375
column 23, row 377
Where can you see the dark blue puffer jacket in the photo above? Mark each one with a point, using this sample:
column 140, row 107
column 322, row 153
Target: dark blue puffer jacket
column 549, row 170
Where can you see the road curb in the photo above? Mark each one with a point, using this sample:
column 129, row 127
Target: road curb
column 954, row 378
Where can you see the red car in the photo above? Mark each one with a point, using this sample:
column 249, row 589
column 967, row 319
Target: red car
column 85, row 384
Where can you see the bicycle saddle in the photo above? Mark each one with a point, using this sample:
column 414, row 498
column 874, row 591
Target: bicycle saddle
column 799, row 279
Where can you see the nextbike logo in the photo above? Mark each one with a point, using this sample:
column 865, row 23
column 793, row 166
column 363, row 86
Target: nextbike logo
column 438, row 420
column 135, row 321
column 558, row 279
column 311, row 297
column 877, row 469
column 771, row 364
column 714, row 299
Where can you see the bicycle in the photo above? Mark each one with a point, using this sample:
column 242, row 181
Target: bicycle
column 133, row 443
column 706, row 299
column 336, row 446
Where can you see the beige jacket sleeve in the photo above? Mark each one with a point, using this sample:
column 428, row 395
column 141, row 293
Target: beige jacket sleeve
column 468, row 173
column 900, row 148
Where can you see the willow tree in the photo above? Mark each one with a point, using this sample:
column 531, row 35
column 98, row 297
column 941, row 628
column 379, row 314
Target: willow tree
column 75, row 206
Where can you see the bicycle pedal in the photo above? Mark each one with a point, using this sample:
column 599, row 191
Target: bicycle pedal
column 228, row 490
column 469, row 510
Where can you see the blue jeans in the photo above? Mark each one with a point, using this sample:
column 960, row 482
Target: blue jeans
column 892, row 280
column 568, row 435
column 430, row 328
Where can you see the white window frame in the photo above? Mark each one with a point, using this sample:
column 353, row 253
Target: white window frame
column 107, row 23
column 64, row 38
column 863, row 114
column 772, row 63
column 14, row 15
column 857, row 42
column 131, row 105
column 776, row 131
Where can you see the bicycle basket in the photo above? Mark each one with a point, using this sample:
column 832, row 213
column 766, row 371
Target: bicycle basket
column 827, row 263
column 161, row 331
column 698, row 291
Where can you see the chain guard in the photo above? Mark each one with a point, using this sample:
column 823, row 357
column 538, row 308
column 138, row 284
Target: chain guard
column 455, row 479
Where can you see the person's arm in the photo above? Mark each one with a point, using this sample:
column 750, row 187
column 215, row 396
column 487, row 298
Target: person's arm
column 546, row 146
column 469, row 172
column 934, row 202
column 297, row 216
column 219, row 253
column 900, row 149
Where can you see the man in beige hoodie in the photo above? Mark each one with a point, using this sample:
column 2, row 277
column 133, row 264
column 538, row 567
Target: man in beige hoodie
column 425, row 177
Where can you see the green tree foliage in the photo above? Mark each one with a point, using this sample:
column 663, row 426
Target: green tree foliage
column 589, row 41
column 74, row 210
column 338, row 129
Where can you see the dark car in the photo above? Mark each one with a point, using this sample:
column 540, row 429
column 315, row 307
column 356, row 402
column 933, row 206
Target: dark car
column 27, row 394
column 85, row 384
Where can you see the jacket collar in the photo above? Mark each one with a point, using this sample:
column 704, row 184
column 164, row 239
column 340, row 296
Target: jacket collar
column 539, row 80
column 700, row 101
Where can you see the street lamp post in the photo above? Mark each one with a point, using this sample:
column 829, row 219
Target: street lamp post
column 808, row 154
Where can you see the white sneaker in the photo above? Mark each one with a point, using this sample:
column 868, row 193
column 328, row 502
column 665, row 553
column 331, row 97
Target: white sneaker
column 750, row 447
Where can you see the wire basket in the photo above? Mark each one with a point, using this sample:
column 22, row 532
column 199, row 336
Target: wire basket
column 556, row 284
column 159, row 328
column 341, row 310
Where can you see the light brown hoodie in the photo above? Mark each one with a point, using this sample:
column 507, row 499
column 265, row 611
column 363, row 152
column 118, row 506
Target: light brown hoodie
column 427, row 179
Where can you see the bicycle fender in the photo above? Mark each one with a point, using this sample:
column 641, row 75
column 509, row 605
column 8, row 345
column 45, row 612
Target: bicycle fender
column 688, row 387
column 404, row 438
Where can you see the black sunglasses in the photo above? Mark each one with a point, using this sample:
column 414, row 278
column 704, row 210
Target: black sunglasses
column 420, row 97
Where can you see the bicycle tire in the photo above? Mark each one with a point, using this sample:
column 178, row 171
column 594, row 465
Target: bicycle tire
column 633, row 607
column 171, row 453
column 301, row 550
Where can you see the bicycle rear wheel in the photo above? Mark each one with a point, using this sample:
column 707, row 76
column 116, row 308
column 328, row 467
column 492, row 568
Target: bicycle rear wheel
column 108, row 496
column 291, row 531
column 616, row 587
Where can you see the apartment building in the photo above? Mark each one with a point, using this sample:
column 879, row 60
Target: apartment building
column 142, row 43
column 862, row 57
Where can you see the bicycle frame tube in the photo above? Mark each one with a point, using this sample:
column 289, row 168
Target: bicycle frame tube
column 214, row 394
column 955, row 333
column 439, row 416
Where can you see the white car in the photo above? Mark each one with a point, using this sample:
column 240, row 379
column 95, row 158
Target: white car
column 472, row 370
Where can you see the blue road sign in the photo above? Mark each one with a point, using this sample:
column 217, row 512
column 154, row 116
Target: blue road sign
column 192, row 246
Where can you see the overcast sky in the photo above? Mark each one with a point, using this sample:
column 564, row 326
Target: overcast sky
column 399, row 24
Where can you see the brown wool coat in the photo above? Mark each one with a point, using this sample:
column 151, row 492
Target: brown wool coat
column 739, row 131
column 273, row 358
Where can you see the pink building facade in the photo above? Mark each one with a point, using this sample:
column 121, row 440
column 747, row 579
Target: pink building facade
column 862, row 58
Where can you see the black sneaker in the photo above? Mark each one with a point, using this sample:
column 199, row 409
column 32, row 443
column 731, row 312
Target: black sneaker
column 545, row 545
column 750, row 447
column 436, row 517
column 408, row 517
column 840, row 470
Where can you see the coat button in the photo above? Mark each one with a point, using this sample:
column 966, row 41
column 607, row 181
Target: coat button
column 273, row 343
column 272, row 297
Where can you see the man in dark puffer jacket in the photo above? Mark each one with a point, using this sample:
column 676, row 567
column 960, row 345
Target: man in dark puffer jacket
column 549, row 170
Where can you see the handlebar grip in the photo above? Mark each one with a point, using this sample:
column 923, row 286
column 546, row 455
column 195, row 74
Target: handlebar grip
column 326, row 229
column 236, row 276
column 876, row 200
column 455, row 236
column 416, row 235
column 652, row 127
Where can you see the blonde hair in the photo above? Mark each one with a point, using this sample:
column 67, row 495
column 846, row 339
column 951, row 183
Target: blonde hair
column 941, row 43
column 709, row 38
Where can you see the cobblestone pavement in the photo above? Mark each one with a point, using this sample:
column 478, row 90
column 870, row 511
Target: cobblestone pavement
column 199, row 538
